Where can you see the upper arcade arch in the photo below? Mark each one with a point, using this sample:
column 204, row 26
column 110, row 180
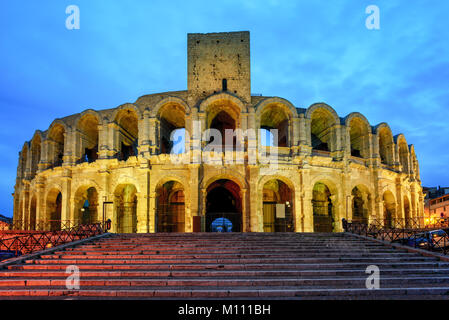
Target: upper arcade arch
column 171, row 113
column 56, row 143
column 87, row 128
column 404, row 153
column 36, row 147
column 323, row 119
column 359, row 135
column 127, row 118
column 276, row 113
column 386, row 143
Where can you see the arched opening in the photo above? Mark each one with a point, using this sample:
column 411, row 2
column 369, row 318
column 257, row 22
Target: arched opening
column 222, row 122
column 170, row 213
column 321, row 127
column 404, row 155
column 389, row 204
column 323, row 209
column 21, row 219
column 54, row 208
column 56, row 145
column 359, row 138
column 128, row 133
column 33, row 213
column 223, row 203
column 23, row 161
column 386, row 146
column 86, row 205
column 125, row 202
column 276, row 121
column 408, row 221
column 277, row 207
column 361, row 202
column 172, row 128
column 35, row 154
column 88, row 129
column 223, row 117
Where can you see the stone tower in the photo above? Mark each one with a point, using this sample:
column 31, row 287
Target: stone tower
column 219, row 62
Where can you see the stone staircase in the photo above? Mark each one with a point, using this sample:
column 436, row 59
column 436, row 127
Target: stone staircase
column 228, row 266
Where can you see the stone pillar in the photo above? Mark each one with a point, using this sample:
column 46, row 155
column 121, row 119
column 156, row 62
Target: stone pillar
column 152, row 211
column 338, row 213
column 255, row 200
column 308, row 210
column 193, row 200
column 245, row 214
column 142, row 212
column 103, row 141
column 298, row 211
column 154, row 144
column 203, row 209
column 65, row 206
column 295, row 135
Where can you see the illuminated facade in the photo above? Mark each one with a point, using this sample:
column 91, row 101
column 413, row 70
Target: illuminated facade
column 118, row 164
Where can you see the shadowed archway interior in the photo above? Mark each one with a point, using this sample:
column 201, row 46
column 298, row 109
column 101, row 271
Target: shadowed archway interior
column 223, row 201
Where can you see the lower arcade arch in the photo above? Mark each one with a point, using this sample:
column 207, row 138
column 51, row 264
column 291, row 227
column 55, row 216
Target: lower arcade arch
column 170, row 212
column 33, row 213
column 389, row 204
column 323, row 209
column 361, row 203
column 86, row 205
column 125, row 203
column 223, row 207
column 54, row 209
column 277, row 207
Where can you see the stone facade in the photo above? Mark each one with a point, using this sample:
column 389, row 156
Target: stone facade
column 117, row 164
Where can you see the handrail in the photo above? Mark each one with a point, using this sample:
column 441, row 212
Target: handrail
column 44, row 225
column 32, row 242
column 414, row 236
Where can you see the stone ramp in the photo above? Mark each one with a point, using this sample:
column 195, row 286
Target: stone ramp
column 228, row 266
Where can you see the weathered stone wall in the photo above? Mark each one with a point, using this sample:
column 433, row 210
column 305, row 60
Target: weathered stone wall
column 211, row 58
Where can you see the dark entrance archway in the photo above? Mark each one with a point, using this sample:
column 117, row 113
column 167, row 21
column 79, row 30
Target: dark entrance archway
column 223, row 207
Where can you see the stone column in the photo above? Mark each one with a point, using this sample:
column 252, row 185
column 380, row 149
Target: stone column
column 338, row 214
column 194, row 195
column 142, row 212
column 203, row 209
column 144, row 134
column 152, row 212
column 245, row 214
column 255, row 201
column 308, row 210
column 298, row 207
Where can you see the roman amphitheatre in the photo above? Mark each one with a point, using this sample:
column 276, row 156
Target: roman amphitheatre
column 117, row 164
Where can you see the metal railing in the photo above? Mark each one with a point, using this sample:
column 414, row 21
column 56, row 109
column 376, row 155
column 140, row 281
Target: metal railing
column 423, row 237
column 37, row 241
column 45, row 225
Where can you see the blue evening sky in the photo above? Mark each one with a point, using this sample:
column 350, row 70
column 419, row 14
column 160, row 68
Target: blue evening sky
column 303, row 51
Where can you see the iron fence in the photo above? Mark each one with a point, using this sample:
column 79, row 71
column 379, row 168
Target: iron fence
column 424, row 236
column 37, row 241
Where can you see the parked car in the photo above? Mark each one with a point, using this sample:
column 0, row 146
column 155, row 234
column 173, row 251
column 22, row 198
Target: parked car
column 431, row 240
column 8, row 254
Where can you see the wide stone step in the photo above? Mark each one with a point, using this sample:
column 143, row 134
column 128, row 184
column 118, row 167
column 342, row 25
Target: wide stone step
column 349, row 282
column 224, row 273
column 62, row 255
column 231, row 293
column 231, row 261
column 180, row 266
